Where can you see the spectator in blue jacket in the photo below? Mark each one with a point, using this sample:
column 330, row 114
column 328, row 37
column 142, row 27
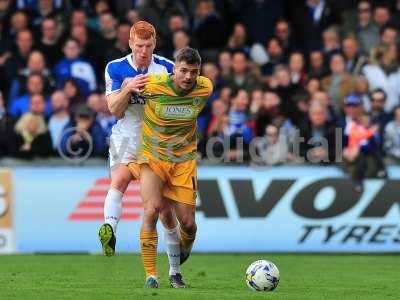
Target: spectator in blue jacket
column 20, row 105
column 83, row 136
column 72, row 66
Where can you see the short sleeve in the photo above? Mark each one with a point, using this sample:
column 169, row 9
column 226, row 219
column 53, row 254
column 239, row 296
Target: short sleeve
column 113, row 81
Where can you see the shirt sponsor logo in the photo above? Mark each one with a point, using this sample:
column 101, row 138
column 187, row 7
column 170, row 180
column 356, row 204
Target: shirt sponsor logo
column 179, row 112
column 137, row 99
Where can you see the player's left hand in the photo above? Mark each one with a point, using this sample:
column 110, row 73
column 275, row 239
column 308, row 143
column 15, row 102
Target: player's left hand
column 136, row 85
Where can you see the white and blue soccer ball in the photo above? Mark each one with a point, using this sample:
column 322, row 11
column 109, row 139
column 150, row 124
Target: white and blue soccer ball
column 262, row 275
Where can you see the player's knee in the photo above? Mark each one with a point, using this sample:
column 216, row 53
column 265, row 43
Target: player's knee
column 150, row 213
column 189, row 224
column 121, row 181
column 167, row 218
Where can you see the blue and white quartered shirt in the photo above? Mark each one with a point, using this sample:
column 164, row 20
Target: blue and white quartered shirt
column 124, row 68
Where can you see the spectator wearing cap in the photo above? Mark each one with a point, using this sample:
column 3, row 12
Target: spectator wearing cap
column 352, row 108
column 83, row 135
column 72, row 66
column 392, row 137
column 360, row 143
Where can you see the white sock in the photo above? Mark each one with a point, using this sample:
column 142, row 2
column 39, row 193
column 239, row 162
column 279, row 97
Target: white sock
column 113, row 207
column 173, row 250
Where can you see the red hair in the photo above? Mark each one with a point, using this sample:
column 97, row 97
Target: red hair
column 143, row 30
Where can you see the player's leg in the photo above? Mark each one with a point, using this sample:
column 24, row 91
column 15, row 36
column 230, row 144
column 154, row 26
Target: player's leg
column 185, row 214
column 181, row 189
column 151, row 186
column 172, row 244
column 171, row 231
column 120, row 178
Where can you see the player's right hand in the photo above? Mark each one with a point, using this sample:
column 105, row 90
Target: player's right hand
column 136, row 84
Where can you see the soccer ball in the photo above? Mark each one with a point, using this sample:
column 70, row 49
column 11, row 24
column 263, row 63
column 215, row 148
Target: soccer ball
column 262, row 275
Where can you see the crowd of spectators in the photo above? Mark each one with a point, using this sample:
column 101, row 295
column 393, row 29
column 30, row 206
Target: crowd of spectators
column 280, row 69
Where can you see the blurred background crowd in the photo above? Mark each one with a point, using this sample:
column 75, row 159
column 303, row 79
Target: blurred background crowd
column 281, row 70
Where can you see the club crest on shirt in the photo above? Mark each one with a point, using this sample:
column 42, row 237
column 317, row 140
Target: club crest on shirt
column 137, row 99
column 196, row 101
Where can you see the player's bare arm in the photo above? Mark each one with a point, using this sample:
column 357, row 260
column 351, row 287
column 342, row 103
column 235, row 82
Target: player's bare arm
column 118, row 102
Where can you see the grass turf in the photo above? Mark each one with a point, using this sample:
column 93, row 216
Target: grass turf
column 210, row 276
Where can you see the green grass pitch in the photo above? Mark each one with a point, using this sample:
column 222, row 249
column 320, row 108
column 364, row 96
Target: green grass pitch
column 210, row 276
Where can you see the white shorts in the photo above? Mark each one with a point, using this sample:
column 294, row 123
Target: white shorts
column 123, row 149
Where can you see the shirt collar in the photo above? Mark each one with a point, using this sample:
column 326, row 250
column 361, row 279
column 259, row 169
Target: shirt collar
column 134, row 66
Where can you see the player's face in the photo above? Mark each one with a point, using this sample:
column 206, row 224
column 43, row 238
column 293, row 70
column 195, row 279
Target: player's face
column 185, row 75
column 142, row 50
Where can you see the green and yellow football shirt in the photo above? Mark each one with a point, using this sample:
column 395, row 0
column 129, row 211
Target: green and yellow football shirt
column 170, row 119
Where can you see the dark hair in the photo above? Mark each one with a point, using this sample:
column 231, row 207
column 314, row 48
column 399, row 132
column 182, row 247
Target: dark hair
column 388, row 26
column 124, row 24
column 189, row 55
column 378, row 90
